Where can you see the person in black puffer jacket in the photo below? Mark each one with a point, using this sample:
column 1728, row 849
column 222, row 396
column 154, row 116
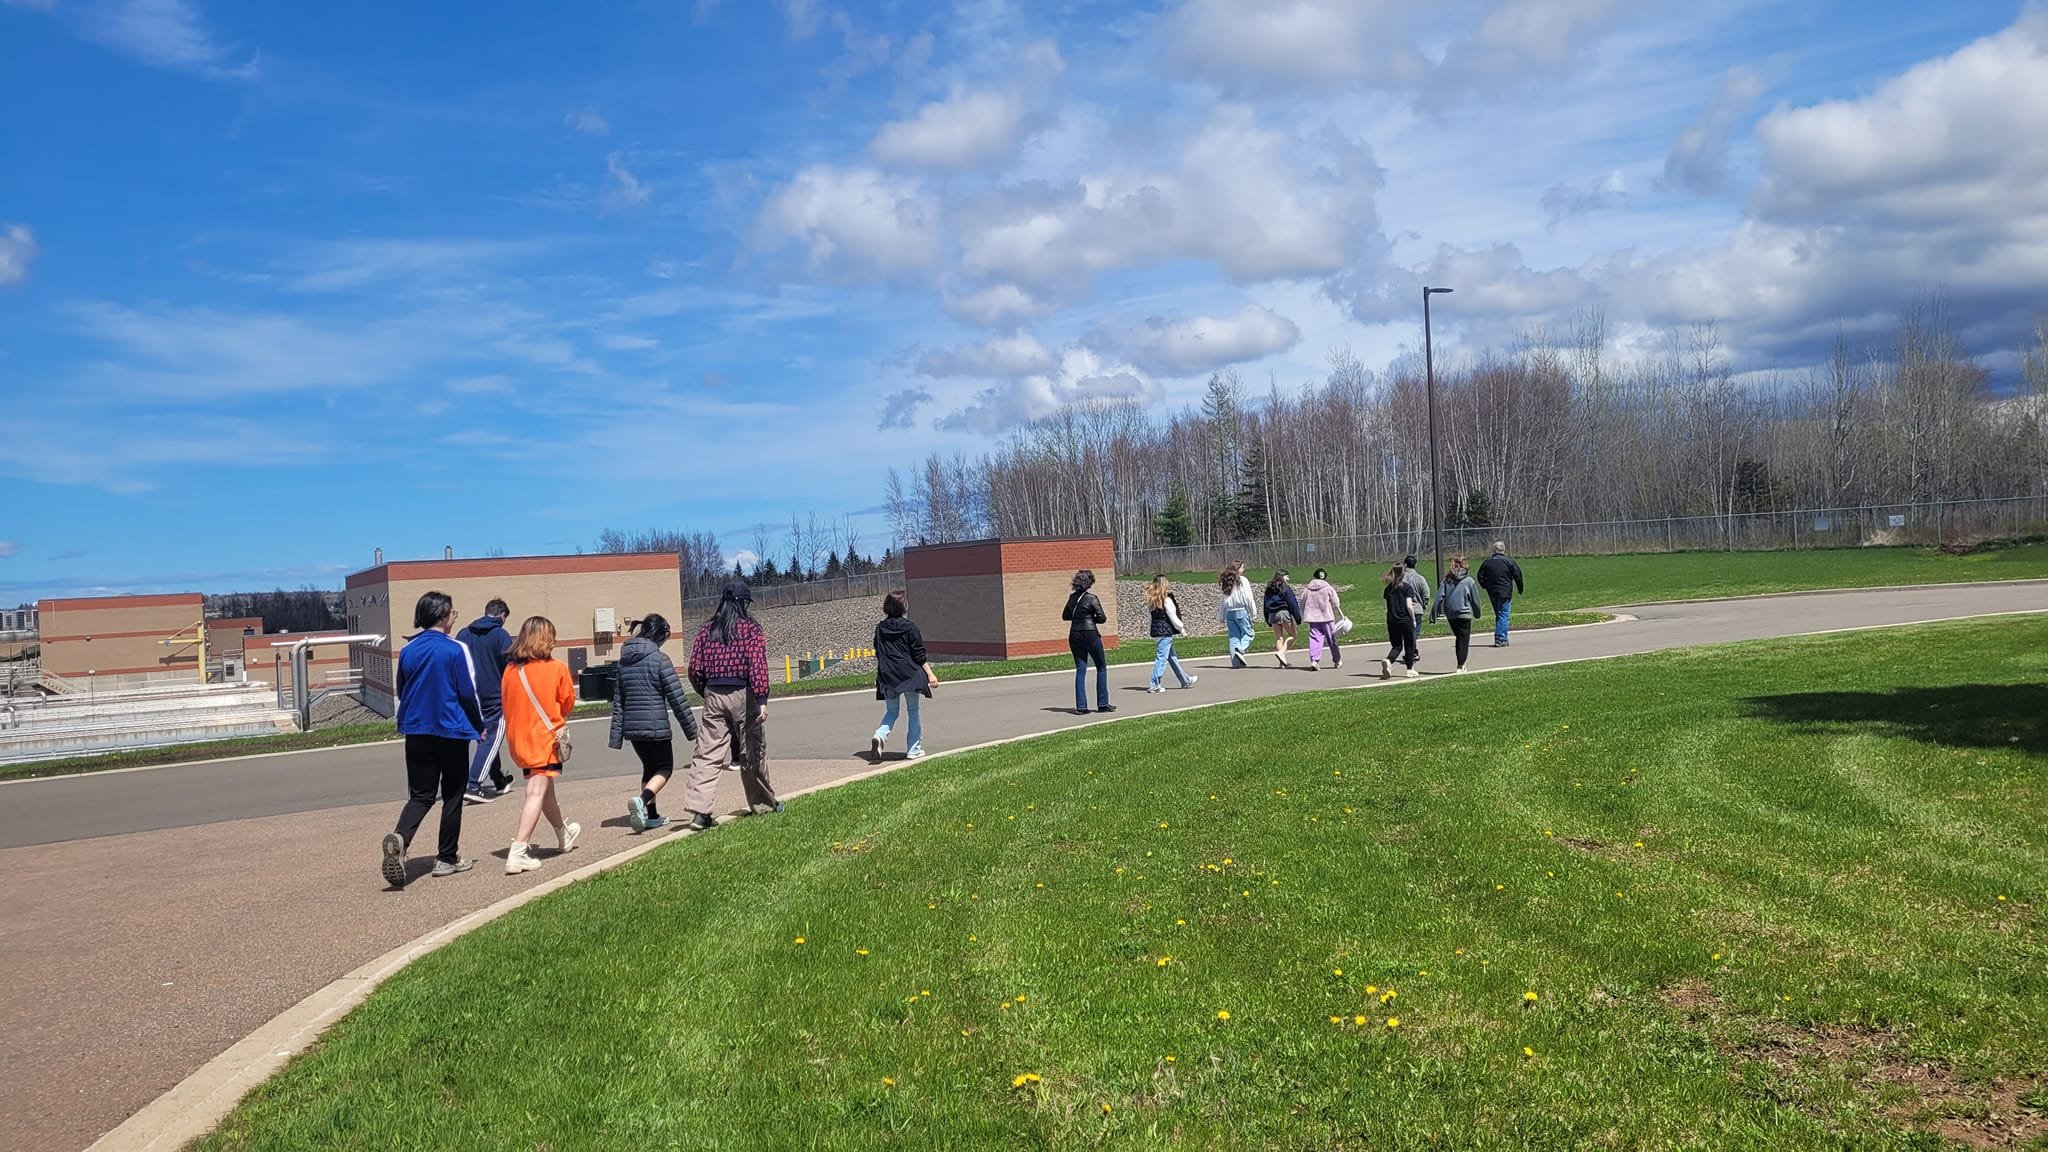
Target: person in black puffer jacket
column 902, row 673
column 646, row 691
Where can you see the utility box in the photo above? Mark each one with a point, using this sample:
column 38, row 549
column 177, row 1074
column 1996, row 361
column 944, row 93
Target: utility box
column 607, row 622
column 1001, row 599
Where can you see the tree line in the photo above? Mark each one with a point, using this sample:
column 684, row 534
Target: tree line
column 1555, row 429
column 811, row 550
column 305, row 609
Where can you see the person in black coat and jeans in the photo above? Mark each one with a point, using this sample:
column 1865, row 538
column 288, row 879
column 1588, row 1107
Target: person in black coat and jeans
column 902, row 673
column 645, row 693
column 1084, row 639
column 1501, row 577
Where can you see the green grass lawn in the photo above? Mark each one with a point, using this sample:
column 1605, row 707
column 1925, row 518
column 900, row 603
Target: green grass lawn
column 1784, row 895
column 1569, row 583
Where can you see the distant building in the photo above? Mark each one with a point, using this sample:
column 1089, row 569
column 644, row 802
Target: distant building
column 122, row 639
column 1001, row 599
column 592, row 601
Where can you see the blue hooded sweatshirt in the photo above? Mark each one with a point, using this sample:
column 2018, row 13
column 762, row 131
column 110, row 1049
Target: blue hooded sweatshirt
column 437, row 689
column 490, row 650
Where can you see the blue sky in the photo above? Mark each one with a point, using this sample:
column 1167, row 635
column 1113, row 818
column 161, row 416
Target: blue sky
column 282, row 284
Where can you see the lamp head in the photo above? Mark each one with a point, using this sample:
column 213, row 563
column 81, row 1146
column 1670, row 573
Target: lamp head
column 1435, row 291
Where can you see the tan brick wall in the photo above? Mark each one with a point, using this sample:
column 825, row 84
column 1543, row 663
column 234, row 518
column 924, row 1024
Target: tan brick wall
column 570, row 600
column 124, row 635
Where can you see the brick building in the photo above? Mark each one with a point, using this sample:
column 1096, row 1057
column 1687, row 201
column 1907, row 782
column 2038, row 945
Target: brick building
column 1001, row 599
column 592, row 600
column 120, row 639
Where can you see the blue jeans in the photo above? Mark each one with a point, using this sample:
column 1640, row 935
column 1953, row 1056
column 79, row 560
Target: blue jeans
column 1087, row 648
column 1166, row 659
column 1240, row 625
column 889, row 714
column 1502, row 609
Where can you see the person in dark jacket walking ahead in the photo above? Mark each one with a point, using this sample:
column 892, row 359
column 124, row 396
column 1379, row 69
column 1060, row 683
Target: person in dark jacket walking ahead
column 1404, row 617
column 1502, row 579
column 902, row 673
column 438, row 715
column 490, row 650
column 645, row 694
column 1418, row 587
column 1458, row 601
column 1283, row 612
column 729, row 668
column 1084, row 639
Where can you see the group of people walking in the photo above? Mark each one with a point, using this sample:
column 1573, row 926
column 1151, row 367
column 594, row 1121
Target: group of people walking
column 464, row 704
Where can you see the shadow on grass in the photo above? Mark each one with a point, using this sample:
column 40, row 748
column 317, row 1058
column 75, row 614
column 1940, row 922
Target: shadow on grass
column 1965, row 715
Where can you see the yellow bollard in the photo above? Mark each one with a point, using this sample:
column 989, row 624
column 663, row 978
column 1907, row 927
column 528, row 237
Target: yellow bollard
column 785, row 670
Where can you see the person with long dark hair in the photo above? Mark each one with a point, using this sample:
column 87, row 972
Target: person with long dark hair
column 646, row 692
column 1404, row 618
column 1283, row 613
column 1085, row 617
column 729, row 669
column 1458, row 601
column 438, row 715
column 902, row 674
column 539, row 698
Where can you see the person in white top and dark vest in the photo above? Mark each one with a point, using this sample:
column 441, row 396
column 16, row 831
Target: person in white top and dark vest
column 1165, row 626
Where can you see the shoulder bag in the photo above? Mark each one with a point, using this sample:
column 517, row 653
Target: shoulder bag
column 563, row 748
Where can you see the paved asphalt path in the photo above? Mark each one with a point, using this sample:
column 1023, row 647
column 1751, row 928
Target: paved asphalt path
column 150, row 919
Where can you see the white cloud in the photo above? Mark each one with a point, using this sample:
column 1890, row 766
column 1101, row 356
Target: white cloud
column 18, row 250
column 899, row 409
column 1198, row 344
column 1562, row 201
column 965, row 130
column 1082, row 376
column 1328, row 45
column 855, row 223
column 1015, row 354
column 167, row 34
column 996, row 306
column 622, row 189
column 802, row 18
column 1698, row 160
column 586, row 122
column 1258, row 202
column 9, row 548
column 1491, row 283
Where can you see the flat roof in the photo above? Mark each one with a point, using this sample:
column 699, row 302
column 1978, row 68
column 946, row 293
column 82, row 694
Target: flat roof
column 94, row 603
column 487, row 567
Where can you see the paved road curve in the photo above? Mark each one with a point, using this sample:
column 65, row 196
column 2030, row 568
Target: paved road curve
column 150, row 919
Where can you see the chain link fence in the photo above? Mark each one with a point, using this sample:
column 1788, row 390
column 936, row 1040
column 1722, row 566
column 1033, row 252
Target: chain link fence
column 1940, row 523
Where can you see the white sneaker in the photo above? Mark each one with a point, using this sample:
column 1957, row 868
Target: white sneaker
column 1461, row 667
column 1412, row 674
column 916, row 753
column 567, row 835
column 519, row 858
column 1386, row 669
column 1191, row 681
column 1155, row 688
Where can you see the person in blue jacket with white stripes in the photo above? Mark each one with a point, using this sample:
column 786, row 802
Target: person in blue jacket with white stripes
column 438, row 714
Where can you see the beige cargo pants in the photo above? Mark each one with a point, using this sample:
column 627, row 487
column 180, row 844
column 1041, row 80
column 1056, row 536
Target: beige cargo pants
column 728, row 733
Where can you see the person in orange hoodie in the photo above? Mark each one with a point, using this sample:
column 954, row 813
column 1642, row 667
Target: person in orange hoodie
column 538, row 698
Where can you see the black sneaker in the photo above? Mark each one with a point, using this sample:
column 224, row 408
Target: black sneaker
column 701, row 822
column 482, row 794
column 394, row 859
column 1107, row 708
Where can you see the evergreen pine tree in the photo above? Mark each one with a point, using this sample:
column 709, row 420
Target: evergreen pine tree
column 1248, row 520
column 1174, row 526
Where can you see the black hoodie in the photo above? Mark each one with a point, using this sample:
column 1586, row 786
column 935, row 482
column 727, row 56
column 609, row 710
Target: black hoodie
column 899, row 659
column 490, row 649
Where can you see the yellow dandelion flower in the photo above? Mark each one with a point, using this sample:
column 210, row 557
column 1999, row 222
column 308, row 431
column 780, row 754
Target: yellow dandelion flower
column 1148, row 855
column 1548, row 832
column 860, row 951
column 1336, row 1019
column 1212, row 795
column 930, row 907
column 1223, row 1014
column 2001, row 899
column 1529, row 1052
column 1552, row 875
column 1247, row 892
column 1717, row 955
column 1393, row 1021
column 1422, row 972
column 888, row 1081
column 1500, row 887
column 1639, row 843
column 1162, row 823
column 1226, row 859
column 1164, row 961
column 1181, row 922
column 1347, row 811
column 924, row 992
column 1023, row 1078
column 1359, row 1020
column 1457, row 951
column 1530, row 997
column 1786, row 999
column 1336, row 971
column 1370, row 990
column 1041, row 885
column 970, row 823
column 965, row 1032
column 1169, row 1059
column 1105, row 1109
column 1020, row 999
column 974, row 939
column 799, row 939
column 1336, row 773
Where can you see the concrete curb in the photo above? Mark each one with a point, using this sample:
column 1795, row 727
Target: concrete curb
column 1964, row 584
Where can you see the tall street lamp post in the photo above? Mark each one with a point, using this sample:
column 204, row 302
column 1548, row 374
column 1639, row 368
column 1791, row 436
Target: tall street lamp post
column 1436, row 504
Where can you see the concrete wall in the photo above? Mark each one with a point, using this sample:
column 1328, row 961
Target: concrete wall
column 566, row 589
column 1001, row 599
column 117, row 636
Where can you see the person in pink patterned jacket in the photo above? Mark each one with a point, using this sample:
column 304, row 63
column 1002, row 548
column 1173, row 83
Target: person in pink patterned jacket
column 729, row 668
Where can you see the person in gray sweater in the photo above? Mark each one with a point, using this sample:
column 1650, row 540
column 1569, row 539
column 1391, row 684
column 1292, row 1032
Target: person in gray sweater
column 646, row 692
column 1459, row 603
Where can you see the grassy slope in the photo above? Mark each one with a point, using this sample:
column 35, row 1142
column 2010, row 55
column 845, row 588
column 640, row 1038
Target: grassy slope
column 1568, row 583
column 1826, row 827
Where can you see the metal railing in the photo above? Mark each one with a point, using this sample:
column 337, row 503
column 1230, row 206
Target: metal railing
column 1936, row 523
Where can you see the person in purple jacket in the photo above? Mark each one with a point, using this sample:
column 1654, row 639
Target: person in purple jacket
column 438, row 714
